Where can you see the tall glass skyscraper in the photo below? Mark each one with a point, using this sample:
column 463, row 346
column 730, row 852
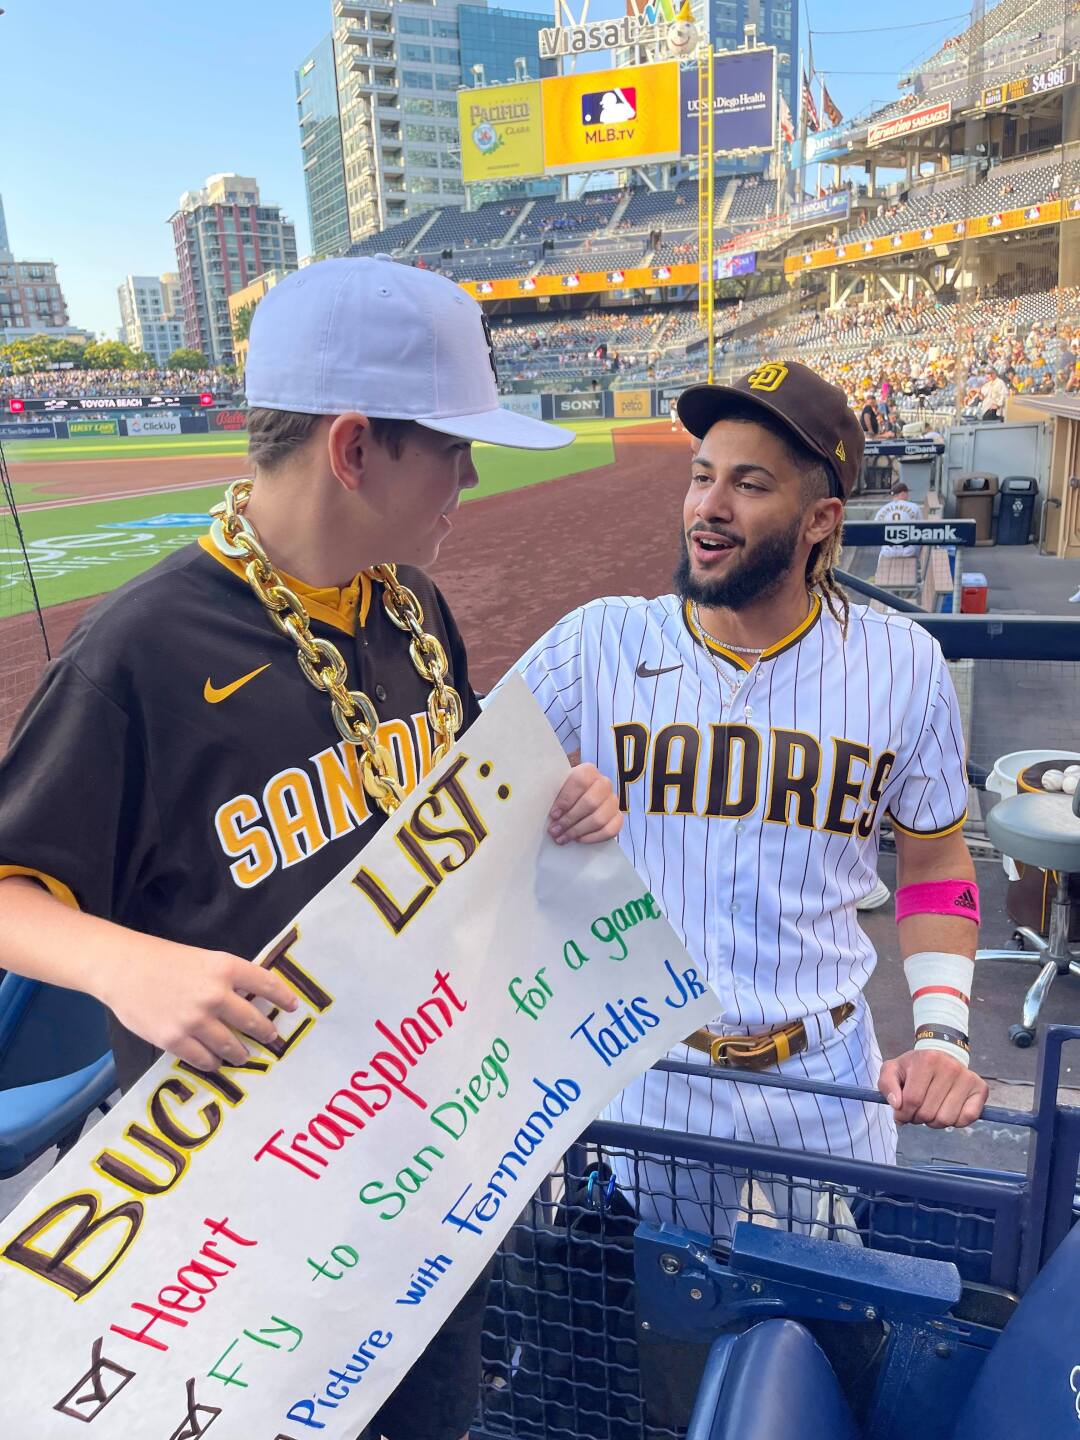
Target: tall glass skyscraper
column 496, row 39
column 777, row 23
column 320, row 143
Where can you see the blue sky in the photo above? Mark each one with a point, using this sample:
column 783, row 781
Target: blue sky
column 111, row 110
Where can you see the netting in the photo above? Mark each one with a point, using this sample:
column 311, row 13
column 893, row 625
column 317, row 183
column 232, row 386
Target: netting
column 24, row 646
column 564, row 1357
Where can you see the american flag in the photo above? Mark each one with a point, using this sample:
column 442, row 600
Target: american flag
column 809, row 109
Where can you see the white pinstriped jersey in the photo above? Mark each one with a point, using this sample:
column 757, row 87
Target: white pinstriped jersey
column 899, row 512
column 754, row 792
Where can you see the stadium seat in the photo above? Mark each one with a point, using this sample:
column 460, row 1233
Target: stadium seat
column 1029, row 1383
column 769, row 1381
column 772, row 1379
column 56, row 1068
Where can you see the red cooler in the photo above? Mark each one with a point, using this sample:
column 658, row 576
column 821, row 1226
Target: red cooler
column 974, row 593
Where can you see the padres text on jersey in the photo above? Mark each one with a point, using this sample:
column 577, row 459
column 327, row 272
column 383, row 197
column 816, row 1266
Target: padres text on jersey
column 754, row 793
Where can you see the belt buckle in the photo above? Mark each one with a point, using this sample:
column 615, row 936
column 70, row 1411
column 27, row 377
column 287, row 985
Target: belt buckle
column 718, row 1050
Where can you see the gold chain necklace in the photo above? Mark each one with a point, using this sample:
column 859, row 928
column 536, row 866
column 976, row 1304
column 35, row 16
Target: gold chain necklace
column 323, row 664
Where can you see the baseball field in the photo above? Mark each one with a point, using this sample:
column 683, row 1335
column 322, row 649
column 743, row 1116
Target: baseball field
column 542, row 532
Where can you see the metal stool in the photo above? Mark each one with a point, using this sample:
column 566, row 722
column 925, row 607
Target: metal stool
column 1041, row 830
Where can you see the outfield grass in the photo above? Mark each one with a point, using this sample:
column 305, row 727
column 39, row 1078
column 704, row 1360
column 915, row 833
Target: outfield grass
column 86, row 549
column 110, row 447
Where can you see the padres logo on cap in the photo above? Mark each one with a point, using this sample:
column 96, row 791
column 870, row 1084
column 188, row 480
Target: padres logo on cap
column 768, row 377
column 840, row 452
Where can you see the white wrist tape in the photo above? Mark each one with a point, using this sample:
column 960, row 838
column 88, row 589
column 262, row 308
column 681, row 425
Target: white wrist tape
column 940, row 986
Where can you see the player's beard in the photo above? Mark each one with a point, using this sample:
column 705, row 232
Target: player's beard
column 755, row 575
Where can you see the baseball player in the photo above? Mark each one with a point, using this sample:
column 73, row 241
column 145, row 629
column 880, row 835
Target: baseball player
column 757, row 730
column 899, row 509
column 179, row 787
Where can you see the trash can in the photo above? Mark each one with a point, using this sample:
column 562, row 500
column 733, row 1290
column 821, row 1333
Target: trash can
column 975, row 501
column 974, row 593
column 1016, row 509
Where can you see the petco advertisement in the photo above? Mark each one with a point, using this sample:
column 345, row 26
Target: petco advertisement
column 153, row 425
column 522, row 405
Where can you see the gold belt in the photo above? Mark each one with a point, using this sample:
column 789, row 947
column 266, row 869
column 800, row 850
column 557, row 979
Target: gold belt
column 759, row 1052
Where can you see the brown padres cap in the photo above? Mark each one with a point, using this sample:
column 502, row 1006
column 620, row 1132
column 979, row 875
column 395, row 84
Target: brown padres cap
column 816, row 412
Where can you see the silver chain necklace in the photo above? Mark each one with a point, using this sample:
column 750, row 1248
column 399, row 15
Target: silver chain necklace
column 730, row 684
column 739, row 649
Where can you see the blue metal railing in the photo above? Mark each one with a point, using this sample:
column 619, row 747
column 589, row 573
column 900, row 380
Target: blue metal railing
column 561, row 1354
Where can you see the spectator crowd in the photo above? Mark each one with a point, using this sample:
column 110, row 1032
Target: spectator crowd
column 81, row 384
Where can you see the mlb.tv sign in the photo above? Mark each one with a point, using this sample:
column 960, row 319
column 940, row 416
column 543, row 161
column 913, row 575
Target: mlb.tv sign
column 611, row 117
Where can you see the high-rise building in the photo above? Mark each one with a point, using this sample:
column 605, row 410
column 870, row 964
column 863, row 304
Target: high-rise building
column 246, row 300
column 400, row 64
column 498, row 41
column 170, row 289
column 224, row 238
column 148, row 318
column 320, row 143
column 399, row 70
column 776, row 23
column 31, row 300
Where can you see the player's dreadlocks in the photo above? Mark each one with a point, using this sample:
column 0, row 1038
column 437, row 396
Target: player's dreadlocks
column 820, row 567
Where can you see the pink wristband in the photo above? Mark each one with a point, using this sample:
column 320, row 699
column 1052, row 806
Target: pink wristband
column 939, row 897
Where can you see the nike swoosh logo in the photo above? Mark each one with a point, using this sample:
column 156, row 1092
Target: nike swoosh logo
column 213, row 696
column 646, row 673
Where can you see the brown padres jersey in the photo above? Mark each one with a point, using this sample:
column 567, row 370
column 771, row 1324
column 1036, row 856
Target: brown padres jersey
column 177, row 774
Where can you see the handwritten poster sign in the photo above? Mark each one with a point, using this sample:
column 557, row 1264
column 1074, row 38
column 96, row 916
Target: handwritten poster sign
column 261, row 1252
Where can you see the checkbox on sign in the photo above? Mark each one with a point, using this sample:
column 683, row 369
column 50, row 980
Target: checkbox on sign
column 101, row 1384
column 198, row 1419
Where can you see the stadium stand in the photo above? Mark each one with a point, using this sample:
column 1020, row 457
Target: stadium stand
column 1008, row 186
column 482, row 264
column 592, row 212
column 594, row 259
column 888, row 350
column 1012, row 37
column 754, row 199
column 394, row 239
column 486, row 225
column 56, row 384
column 666, row 208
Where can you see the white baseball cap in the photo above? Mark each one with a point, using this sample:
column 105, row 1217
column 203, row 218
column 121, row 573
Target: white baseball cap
column 388, row 340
